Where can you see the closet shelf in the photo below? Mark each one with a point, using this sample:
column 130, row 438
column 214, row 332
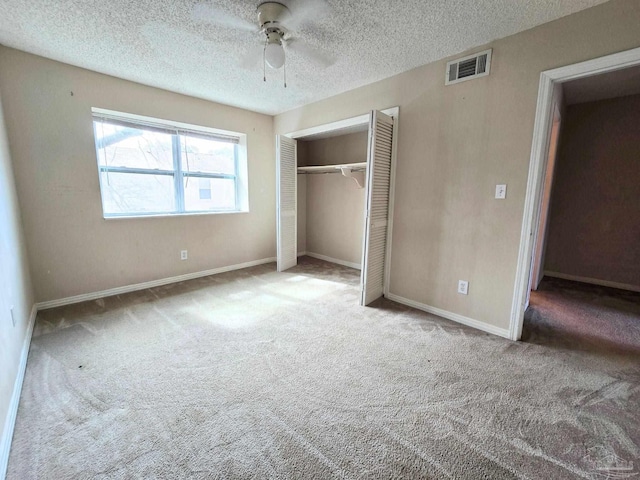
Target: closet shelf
column 354, row 167
column 355, row 171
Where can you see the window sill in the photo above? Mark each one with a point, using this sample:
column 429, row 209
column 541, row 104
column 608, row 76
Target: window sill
column 165, row 215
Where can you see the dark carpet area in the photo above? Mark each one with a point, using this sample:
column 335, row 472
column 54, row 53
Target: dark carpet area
column 580, row 316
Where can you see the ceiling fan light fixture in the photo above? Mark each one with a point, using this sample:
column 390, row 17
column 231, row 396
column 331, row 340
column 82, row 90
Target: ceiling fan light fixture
column 274, row 55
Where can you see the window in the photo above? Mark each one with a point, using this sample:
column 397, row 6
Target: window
column 155, row 167
column 204, row 186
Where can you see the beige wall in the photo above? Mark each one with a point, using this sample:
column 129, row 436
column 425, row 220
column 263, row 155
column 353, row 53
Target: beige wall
column 349, row 148
column 302, row 198
column 455, row 143
column 335, row 205
column 15, row 284
column 72, row 249
column 302, row 214
column 594, row 229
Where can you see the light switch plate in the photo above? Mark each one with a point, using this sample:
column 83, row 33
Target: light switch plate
column 501, row 191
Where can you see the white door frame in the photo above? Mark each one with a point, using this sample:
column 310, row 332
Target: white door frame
column 364, row 120
column 540, row 240
column 538, row 161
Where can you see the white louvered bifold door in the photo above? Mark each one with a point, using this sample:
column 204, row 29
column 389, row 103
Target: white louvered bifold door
column 286, row 169
column 377, row 206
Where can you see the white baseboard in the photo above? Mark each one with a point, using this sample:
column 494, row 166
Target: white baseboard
column 302, row 254
column 470, row 322
column 357, row 266
column 153, row 283
column 593, row 281
column 10, row 421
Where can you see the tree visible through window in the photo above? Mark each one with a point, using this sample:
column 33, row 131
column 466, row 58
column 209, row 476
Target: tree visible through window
column 155, row 169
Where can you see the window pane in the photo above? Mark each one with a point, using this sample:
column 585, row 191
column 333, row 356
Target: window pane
column 207, row 156
column 137, row 193
column 204, row 187
column 120, row 146
column 201, row 194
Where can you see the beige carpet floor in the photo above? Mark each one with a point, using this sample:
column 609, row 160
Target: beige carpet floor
column 258, row 374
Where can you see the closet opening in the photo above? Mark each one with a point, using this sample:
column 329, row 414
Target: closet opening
column 335, row 192
column 331, row 196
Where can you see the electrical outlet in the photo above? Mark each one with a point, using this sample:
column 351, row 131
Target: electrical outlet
column 183, row 255
column 463, row 287
column 13, row 317
column 501, row 192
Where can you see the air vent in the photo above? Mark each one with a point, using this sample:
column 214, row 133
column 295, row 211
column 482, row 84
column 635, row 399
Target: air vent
column 473, row 66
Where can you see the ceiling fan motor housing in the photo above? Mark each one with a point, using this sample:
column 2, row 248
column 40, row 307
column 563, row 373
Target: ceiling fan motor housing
column 271, row 15
column 274, row 35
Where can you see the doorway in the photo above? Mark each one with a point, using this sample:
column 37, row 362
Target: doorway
column 598, row 81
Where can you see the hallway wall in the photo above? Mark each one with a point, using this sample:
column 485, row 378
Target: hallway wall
column 594, row 226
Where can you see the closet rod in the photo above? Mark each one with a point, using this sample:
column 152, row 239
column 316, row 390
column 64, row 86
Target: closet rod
column 354, row 167
column 354, row 171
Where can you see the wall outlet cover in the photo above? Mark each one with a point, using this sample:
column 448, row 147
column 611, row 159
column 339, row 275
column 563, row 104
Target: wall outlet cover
column 501, row 192
column 463, row 287
column 183, row 255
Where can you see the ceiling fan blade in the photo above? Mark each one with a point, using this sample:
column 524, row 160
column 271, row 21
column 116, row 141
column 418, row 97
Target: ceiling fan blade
column 312, row 53
column 253, row 58
column 306, row 12
column 206, row 13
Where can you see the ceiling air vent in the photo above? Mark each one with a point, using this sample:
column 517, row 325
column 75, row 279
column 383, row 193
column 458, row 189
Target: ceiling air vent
column 473, row 66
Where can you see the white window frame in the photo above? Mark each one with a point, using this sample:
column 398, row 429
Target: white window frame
column 179, row 129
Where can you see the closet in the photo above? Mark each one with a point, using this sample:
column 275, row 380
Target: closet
column 334, row 185
column 331, row 172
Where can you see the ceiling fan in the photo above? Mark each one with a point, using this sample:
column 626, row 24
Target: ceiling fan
column 277, row 24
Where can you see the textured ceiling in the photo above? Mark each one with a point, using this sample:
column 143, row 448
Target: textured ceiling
column 159, row 43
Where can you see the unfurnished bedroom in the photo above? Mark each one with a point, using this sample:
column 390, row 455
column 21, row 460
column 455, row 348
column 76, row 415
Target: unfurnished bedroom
column 319, row 239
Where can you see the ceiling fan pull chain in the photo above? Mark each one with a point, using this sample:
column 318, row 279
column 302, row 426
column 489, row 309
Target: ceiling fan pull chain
column 264, row 62
column 284, row 66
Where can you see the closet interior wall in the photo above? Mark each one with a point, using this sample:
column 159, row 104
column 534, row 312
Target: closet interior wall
column 302, row 199
column 331, row 206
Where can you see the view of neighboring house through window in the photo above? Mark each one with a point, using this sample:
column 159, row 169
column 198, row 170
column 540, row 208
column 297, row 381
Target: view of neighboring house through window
column 204, row 185
column 149, row 169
